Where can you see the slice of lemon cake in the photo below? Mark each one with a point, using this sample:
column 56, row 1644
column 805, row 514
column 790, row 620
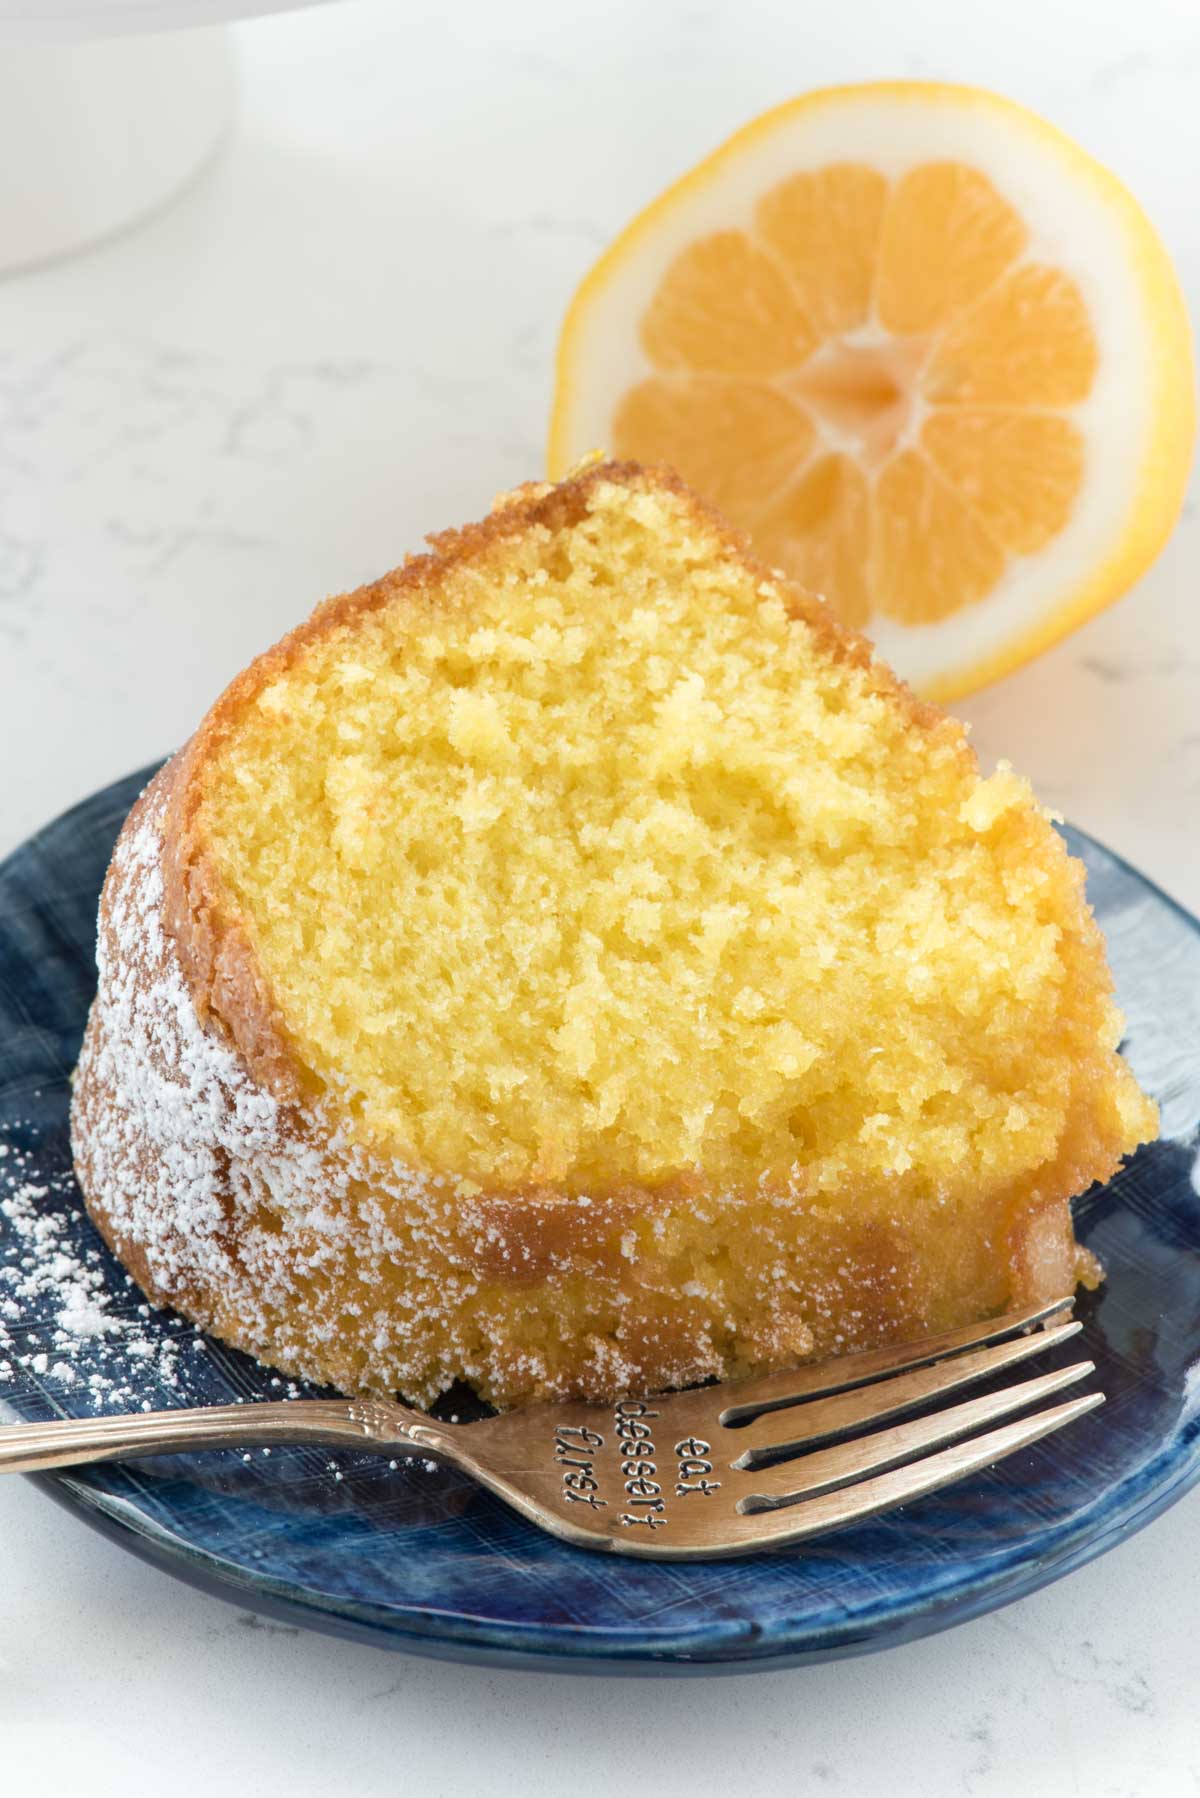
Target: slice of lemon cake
column 572, row 964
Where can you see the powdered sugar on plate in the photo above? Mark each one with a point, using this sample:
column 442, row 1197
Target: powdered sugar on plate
column 57, row 1304
column 76, row 1331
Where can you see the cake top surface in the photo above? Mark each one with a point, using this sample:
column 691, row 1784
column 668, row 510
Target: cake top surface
column 582, row 855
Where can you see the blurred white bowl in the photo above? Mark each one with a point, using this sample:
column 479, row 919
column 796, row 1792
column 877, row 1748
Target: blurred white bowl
column 94, row 135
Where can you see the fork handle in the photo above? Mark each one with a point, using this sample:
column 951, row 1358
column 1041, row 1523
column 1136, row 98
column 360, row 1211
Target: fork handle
column 69, row 1442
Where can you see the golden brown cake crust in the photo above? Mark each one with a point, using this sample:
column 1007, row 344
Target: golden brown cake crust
column 230, row 1187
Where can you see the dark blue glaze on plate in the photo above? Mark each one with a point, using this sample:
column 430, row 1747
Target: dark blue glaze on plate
column 418, row 1559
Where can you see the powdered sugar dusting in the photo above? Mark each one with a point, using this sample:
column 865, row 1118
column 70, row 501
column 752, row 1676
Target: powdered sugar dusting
column 55, row 1301
column 174, row 1083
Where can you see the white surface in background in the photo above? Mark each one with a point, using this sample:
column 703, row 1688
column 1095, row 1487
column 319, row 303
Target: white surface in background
column 69, row 21
column 340, row 337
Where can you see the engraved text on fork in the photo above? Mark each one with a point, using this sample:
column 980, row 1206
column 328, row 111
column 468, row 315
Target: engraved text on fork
column 575, row 1448
column 643, row 1493
column 585, row 1471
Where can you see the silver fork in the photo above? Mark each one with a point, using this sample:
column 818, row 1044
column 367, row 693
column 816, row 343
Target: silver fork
column 718, row 1470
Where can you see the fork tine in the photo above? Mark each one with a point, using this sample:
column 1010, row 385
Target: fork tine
column 777, row 1431
column 851, row 1504
column 770, row 1391
column 825, row 1470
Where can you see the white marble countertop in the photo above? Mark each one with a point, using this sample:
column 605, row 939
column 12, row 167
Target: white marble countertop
column 339, row 337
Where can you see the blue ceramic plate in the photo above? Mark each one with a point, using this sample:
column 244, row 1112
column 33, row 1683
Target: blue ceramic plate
column 415, row 1557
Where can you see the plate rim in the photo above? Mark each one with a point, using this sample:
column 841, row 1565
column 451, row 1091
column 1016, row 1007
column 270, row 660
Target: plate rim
column 716, row 1645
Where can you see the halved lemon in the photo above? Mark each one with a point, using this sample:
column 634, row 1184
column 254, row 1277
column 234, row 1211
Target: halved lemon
column 924, row 349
